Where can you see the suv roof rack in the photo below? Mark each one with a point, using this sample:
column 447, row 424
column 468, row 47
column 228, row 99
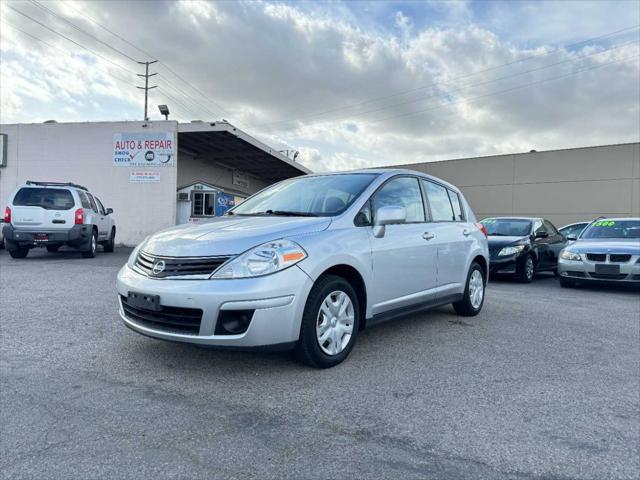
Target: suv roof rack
column 57, row 184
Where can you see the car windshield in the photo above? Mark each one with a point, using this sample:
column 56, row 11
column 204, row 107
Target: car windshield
column 613, row 229
column 48, row 198
column 311, row 196
column 507, row 227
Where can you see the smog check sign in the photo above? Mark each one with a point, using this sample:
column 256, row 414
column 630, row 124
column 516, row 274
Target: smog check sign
column 156, row 149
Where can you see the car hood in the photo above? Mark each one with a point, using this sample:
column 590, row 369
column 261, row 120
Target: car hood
column 606, row 245
column 229, row 235
column 496, row 241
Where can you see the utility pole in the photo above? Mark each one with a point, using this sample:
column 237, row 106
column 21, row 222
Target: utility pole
column 146, row 87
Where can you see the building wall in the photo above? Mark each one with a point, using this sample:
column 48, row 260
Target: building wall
column 82, row 153
column 562, row 185
column 206, row 170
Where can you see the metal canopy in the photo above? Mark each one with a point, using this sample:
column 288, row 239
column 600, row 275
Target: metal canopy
column 233, row 148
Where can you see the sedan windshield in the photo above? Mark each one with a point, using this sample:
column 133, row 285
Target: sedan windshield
column 507, row 227
column 624, row 229
column 311, row 196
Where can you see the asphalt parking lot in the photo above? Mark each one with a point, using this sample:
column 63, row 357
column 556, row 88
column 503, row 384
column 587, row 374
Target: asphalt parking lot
column 542, row 384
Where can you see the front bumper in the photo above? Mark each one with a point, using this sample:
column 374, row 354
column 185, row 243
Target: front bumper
column 585, row 270
column 77, row 236
column 277, row 302
column 503, row 264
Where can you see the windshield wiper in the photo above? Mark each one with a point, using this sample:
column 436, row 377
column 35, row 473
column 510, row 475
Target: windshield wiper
column 286, row 213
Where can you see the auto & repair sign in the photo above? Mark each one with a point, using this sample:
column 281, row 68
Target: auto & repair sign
column 157, row 149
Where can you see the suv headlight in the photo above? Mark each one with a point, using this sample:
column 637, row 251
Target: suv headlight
column 567, row 255
column 262, row 260
column 511, row 250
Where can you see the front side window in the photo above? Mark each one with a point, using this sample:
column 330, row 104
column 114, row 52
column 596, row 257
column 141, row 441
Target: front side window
column 47, row 198
column 441, row 209
column 203, row 204
column 613, row 229
column 401, row 192
column 538, row 227
column 574, row 230
column 551, row 230
column 313, row 196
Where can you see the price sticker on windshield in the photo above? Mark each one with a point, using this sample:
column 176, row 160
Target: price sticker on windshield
column 604, row 223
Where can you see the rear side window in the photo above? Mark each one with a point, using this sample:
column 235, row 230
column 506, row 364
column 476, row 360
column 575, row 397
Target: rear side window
column 84, row 200
column 455, row 203
column 94, row 207
column 47, row 198
column 441, row 209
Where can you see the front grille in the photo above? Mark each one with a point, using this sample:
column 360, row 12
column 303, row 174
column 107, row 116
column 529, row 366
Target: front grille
column 597, row 257
column 619, row 257
column 151, row 265
column 169, row 319
column 608, row 276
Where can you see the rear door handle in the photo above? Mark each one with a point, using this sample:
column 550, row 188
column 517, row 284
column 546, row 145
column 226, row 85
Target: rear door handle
column 466, row 232
column 428, row 236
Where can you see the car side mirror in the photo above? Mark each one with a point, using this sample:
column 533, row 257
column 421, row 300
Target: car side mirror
column 388, row 215
column 571, row 238
column 542, row 235
column 109, row 211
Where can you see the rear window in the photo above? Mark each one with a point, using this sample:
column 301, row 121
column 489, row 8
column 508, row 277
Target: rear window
column 48, row 198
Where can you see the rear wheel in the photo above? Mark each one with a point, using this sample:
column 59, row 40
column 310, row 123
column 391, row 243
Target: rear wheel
column 20, row 252
column 110, row 245
column 93, row 246
column 329, row 323
column 52, row 248
column 473, row 298
column 527, row 270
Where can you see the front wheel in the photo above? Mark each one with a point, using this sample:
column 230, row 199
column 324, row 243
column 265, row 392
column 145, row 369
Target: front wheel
column 473, row 298
column 329, row 323
column 527, row 270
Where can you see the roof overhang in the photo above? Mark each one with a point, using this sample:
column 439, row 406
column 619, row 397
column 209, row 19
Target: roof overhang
column 227, row 145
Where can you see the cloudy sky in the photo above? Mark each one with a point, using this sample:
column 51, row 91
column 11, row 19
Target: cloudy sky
column 348, row 84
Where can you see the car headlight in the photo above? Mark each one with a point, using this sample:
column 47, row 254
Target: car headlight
column 262, row 260
column 567, row 255
column 511, row 250
column 132, row 258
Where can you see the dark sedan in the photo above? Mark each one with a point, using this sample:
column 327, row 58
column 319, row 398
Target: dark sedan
column 522, row 246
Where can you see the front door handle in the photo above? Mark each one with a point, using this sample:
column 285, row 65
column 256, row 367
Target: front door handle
column 466, row 232
column 428, row 236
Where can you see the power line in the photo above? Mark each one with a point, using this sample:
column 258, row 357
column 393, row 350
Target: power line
column 495, row 67
column 501, row 92
column 495, row 80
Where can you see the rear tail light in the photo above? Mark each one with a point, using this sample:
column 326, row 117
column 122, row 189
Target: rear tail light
column 7, row 215
column 481, row 228
column 79, row 217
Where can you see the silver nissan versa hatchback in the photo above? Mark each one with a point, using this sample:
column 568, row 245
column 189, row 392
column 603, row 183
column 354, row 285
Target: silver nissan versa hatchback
column 307, row 263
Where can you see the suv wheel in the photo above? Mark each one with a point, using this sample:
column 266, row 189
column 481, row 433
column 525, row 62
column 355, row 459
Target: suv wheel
column 473, row 298
column 19, row 252
column 329, row 323
column 93, row 246
column 110, row 245
column 527, row 270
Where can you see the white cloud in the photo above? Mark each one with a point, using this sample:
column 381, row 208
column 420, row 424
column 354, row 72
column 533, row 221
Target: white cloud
column 343, row 93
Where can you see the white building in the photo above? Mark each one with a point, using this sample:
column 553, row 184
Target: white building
column 153, row 174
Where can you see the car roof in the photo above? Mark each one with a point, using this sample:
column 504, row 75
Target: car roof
column 516, row 218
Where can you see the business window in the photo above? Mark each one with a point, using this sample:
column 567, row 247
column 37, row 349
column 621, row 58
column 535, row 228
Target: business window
column 203, row 204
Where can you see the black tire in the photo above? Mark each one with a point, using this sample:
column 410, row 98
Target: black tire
column 526, row 271
column 93, row 246
column 110, row 245
column 465, row 306
column 19, row 252
column 308, row 349
column 52, row 248
column 566, row 283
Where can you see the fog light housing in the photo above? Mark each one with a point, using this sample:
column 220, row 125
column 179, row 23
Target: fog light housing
column 233, row 322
